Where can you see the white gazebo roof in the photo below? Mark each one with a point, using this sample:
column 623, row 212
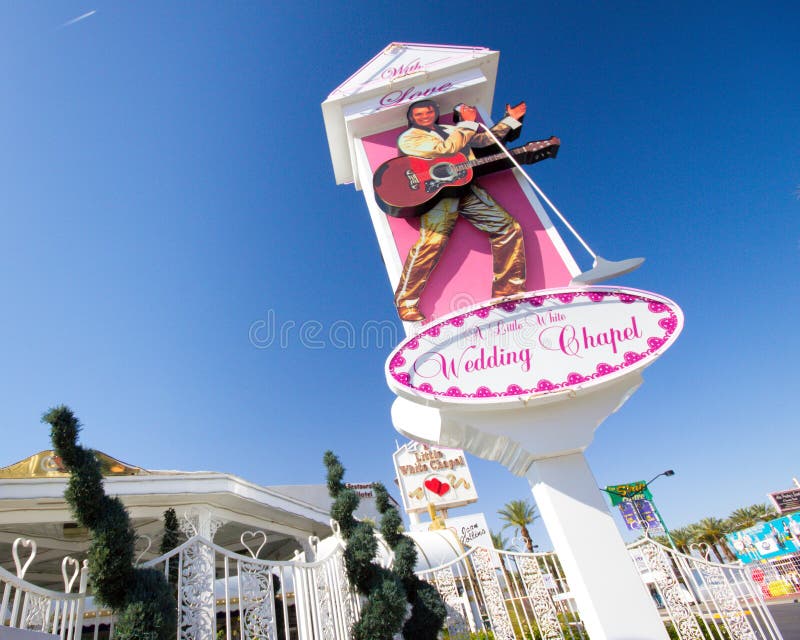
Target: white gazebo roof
column 32, row 505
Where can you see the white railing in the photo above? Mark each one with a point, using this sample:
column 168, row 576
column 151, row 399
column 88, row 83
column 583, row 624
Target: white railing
column 701, row 599
column 246, row 597
column 525, row 595
column 513, row 595
column 27, row 606
column 537, row 580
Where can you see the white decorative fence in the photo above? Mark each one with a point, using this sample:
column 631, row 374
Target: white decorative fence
column 26, row 606
column 702, row 599
column 224, row 594
column 513, row 596
column 518, row 596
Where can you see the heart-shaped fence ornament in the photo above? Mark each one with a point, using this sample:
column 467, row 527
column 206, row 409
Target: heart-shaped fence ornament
column 518, row 543
column 25, row 542
column 146, row 549
column 703, row 548
column 252, row 535
column 69, row 581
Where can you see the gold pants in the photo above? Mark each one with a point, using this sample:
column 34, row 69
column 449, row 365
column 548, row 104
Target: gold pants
column 483, row 213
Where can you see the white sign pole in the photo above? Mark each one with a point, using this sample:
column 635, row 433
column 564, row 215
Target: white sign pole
column 545, row 442
column 611, row 596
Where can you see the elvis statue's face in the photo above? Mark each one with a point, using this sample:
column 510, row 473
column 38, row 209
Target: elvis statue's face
column 424, row 116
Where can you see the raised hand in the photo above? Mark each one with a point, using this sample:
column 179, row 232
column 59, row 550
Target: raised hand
column 517, row 111
column 468, row 112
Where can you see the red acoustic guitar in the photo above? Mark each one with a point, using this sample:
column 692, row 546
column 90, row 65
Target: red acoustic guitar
column 407, row 186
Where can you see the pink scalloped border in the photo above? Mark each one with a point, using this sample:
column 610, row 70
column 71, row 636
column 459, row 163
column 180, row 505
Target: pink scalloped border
column 668, row 323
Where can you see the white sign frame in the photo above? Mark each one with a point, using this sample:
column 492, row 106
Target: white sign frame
column 430, row 475
column 498, row 352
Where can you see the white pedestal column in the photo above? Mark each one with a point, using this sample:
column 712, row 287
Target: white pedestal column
column 612, row 599
column 545, row 441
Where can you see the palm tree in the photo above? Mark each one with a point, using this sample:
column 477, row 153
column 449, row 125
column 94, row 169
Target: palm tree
column 499, row 540
column 682, row 537
column 519, row 514
column 764, row 511
column 662, row 539
column 741, row 518
column 712, row 532
column 745, row 517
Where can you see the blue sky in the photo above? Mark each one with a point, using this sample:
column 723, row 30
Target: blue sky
column 167, row 184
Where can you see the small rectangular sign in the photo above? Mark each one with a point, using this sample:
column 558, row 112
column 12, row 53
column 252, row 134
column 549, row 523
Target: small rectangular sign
column 433, row 476
column 471, row 530
column 638, row 511
column 786, row 501
column 629, row 516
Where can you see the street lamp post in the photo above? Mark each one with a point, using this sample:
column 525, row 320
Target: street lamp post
column 667, row 473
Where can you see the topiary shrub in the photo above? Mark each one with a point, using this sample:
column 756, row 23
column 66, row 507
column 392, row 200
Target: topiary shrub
column 172, row 534
column 142, row 598
column 387, row 591
column 168, row 542
column 428, row 612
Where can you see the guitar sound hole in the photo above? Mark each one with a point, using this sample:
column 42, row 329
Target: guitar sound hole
column 443, row 171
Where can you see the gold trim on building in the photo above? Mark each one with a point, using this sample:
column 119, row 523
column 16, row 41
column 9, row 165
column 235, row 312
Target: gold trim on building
column 46, row 464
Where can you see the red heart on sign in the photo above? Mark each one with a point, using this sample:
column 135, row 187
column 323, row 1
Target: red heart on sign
column 437, row 486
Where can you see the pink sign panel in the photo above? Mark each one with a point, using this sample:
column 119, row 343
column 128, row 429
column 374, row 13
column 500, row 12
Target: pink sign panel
column 535, row 344
column 464, row 273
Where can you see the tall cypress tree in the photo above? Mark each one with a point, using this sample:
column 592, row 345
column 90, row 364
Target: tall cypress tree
column 169, row 541
column 387, row 591
column 142, row 598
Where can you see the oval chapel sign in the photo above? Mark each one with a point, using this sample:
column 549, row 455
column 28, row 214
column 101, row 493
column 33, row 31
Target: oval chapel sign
column 541, row 343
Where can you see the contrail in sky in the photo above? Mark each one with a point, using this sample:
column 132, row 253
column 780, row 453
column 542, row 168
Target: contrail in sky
column 78, row 19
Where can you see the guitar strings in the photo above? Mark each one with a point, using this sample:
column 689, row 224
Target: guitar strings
column 539, row 191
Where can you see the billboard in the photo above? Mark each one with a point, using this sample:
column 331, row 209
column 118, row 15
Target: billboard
column 416, row 122
column 434, row 476
column 770, row 539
